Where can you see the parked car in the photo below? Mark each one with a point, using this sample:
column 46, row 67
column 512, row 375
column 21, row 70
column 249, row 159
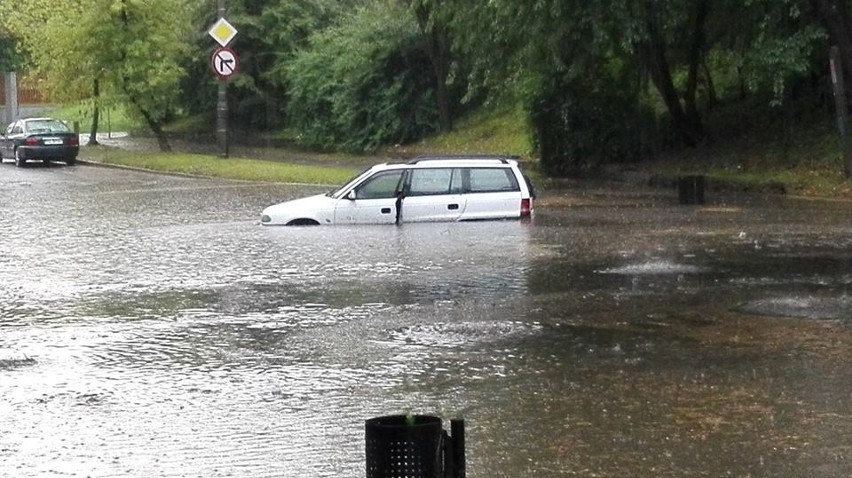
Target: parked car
column 42, row 139
column 447, row 188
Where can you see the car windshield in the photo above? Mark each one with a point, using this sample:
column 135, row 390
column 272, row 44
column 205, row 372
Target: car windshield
column 46, row 126
column 338, row 193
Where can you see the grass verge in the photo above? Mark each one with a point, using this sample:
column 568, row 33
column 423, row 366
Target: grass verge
column 804, row 160
column 111, row 118
column 215, row 167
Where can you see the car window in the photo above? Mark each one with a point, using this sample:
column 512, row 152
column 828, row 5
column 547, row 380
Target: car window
column 46, row 126
column 492, row 180
column 380, row 186
column 431, row 181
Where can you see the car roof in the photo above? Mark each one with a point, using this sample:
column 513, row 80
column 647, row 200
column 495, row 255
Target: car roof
column 40, row 118
column 451, row 160
column 463, row 157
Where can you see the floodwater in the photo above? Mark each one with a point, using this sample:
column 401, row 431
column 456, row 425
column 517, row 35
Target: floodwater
column 150, row 327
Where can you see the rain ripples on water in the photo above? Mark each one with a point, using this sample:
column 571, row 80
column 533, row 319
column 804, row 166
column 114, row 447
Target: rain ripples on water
column 151, row 327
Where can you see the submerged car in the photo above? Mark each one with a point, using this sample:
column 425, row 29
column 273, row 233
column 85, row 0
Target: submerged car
column 44, row 139
column 456, row 188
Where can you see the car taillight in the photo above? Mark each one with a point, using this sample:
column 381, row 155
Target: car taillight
column 74, row 140
column 31, row 141
column 526, row 207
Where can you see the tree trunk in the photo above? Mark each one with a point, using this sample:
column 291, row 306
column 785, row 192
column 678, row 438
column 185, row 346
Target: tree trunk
column 653, row 54
column 696, row 54
column 96, row 93
column 157, row 129
column 445, row 115
column 834, row 15
column 435, row 45
column 711, row 88
column 155, row 126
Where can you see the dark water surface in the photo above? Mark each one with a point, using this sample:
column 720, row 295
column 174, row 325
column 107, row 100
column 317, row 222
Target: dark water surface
column 149, row 326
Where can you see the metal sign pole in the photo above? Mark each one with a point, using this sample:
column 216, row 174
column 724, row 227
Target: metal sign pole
column 222, row 104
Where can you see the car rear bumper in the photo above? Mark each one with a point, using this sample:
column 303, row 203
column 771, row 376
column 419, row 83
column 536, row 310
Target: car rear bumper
column 59, row 152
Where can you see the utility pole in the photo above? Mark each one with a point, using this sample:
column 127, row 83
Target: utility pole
column 842, row 108
column 222, row 104
column 11, row 88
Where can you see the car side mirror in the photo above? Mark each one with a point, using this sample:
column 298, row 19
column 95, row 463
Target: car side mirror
column 352, row 195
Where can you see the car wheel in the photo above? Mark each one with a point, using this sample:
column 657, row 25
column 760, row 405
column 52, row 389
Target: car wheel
column 19, row 159
column 71, row 161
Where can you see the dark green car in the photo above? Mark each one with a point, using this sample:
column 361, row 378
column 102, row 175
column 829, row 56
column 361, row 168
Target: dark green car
column 42, row 139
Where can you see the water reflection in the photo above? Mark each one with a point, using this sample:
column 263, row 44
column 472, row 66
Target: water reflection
column 151, row 327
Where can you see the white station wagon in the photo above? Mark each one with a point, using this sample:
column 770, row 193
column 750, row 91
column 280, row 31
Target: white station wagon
column 433, row 188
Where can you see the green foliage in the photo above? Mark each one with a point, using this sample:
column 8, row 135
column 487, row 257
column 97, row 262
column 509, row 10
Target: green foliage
column 9, row 57
column 147, row 40
column 362, row 84
column 579, row 126
column 270, row 33
column 778, row 46
column 130, row 51
column 359, row 74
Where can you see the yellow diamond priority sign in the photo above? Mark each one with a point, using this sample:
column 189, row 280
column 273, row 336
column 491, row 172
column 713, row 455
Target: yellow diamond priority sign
column 223, row 32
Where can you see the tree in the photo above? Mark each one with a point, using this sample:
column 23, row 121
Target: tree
column 129, row 51
column 435, row 41
column 572, row 64
column 15, row 23
column 658, row 54
column 835, row 17
column 659, row 25
column 68, row 75
column 149, row 44
column 271, row 33
column 363, row 83
column 8, row 53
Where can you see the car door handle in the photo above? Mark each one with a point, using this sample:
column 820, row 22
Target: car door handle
column 453, row 207
column 386, row 210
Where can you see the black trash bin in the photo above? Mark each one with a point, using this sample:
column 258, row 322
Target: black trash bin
column 691, row 189
column 404, row 446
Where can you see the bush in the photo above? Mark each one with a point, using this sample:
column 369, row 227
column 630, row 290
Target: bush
column 363, row 84
column 579, row 125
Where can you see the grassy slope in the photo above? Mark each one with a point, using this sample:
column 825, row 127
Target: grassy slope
column 803, row 159
column 500, row 131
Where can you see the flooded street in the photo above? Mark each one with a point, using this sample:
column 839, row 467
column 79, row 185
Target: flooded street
column 150, row 327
